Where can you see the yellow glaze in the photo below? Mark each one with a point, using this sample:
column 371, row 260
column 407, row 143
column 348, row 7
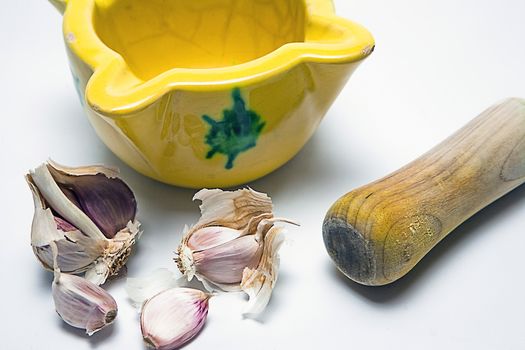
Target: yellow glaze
column 209, row 93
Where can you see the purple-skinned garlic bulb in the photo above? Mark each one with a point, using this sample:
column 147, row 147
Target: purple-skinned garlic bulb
column 91, row 215
column 234, row 246
column 173, row 317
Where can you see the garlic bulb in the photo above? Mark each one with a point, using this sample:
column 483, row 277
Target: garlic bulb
column 173, row 317
column 234, row 246
column 89, row 212
column 81, row 303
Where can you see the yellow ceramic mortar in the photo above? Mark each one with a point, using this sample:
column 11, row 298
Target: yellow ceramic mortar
column 212, row 92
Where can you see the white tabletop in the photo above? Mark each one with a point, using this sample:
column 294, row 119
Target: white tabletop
column 438, row 63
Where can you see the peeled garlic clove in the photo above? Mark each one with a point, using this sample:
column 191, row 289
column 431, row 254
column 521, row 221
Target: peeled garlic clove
column 173, row 317
column 83, row 304
column 89, row 212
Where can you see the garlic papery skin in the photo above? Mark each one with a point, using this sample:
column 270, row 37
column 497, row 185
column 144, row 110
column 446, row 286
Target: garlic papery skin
column 259, row 282
column 83, row 304
column 234, row 246
column 173, row 317
column 140, row 289
column 91, row 215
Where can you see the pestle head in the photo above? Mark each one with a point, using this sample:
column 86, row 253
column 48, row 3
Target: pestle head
column 350, row 251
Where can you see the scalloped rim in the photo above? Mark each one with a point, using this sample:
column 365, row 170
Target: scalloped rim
column 109, row 67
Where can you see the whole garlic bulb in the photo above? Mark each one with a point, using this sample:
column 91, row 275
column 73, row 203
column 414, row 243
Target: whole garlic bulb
column 234, row 246
column 91, row 215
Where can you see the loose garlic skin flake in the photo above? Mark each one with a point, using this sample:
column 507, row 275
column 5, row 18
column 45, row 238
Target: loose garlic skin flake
column 141, row 289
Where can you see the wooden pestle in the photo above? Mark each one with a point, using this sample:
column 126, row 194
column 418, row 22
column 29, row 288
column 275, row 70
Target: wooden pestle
column 379, row 232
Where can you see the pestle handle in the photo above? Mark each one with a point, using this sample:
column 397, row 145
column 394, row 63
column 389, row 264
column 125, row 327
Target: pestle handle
column 379, row 232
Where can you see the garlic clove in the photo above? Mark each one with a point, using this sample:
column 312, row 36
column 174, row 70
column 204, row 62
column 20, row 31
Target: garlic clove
column 143, row 288
column 229, row 237
column 211, row 236
column 199, row 240
column 259, row 282
column 64, row 226
column 225, row 216
column 224, row 264
column 247, row 257
column 106, row 200
column 83, row 304
column 43, row 227
column 173, row 317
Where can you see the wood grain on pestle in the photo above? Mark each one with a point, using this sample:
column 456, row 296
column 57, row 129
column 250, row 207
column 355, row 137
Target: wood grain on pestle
column 379, row 232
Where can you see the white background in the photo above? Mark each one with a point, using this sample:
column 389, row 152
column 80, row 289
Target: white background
column 437, row 65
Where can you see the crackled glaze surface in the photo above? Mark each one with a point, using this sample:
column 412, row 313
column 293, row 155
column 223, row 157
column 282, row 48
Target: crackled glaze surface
column 154, row 36
column 209, row 93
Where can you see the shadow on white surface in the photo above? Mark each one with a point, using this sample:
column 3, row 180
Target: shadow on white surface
column 96, row 339
column 314, row 168
column 307, row 167
column 45, row 278
column 461, row 236
column 276, row 302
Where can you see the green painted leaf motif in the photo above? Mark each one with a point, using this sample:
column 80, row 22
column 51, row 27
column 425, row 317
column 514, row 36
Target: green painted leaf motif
column 237, row 132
